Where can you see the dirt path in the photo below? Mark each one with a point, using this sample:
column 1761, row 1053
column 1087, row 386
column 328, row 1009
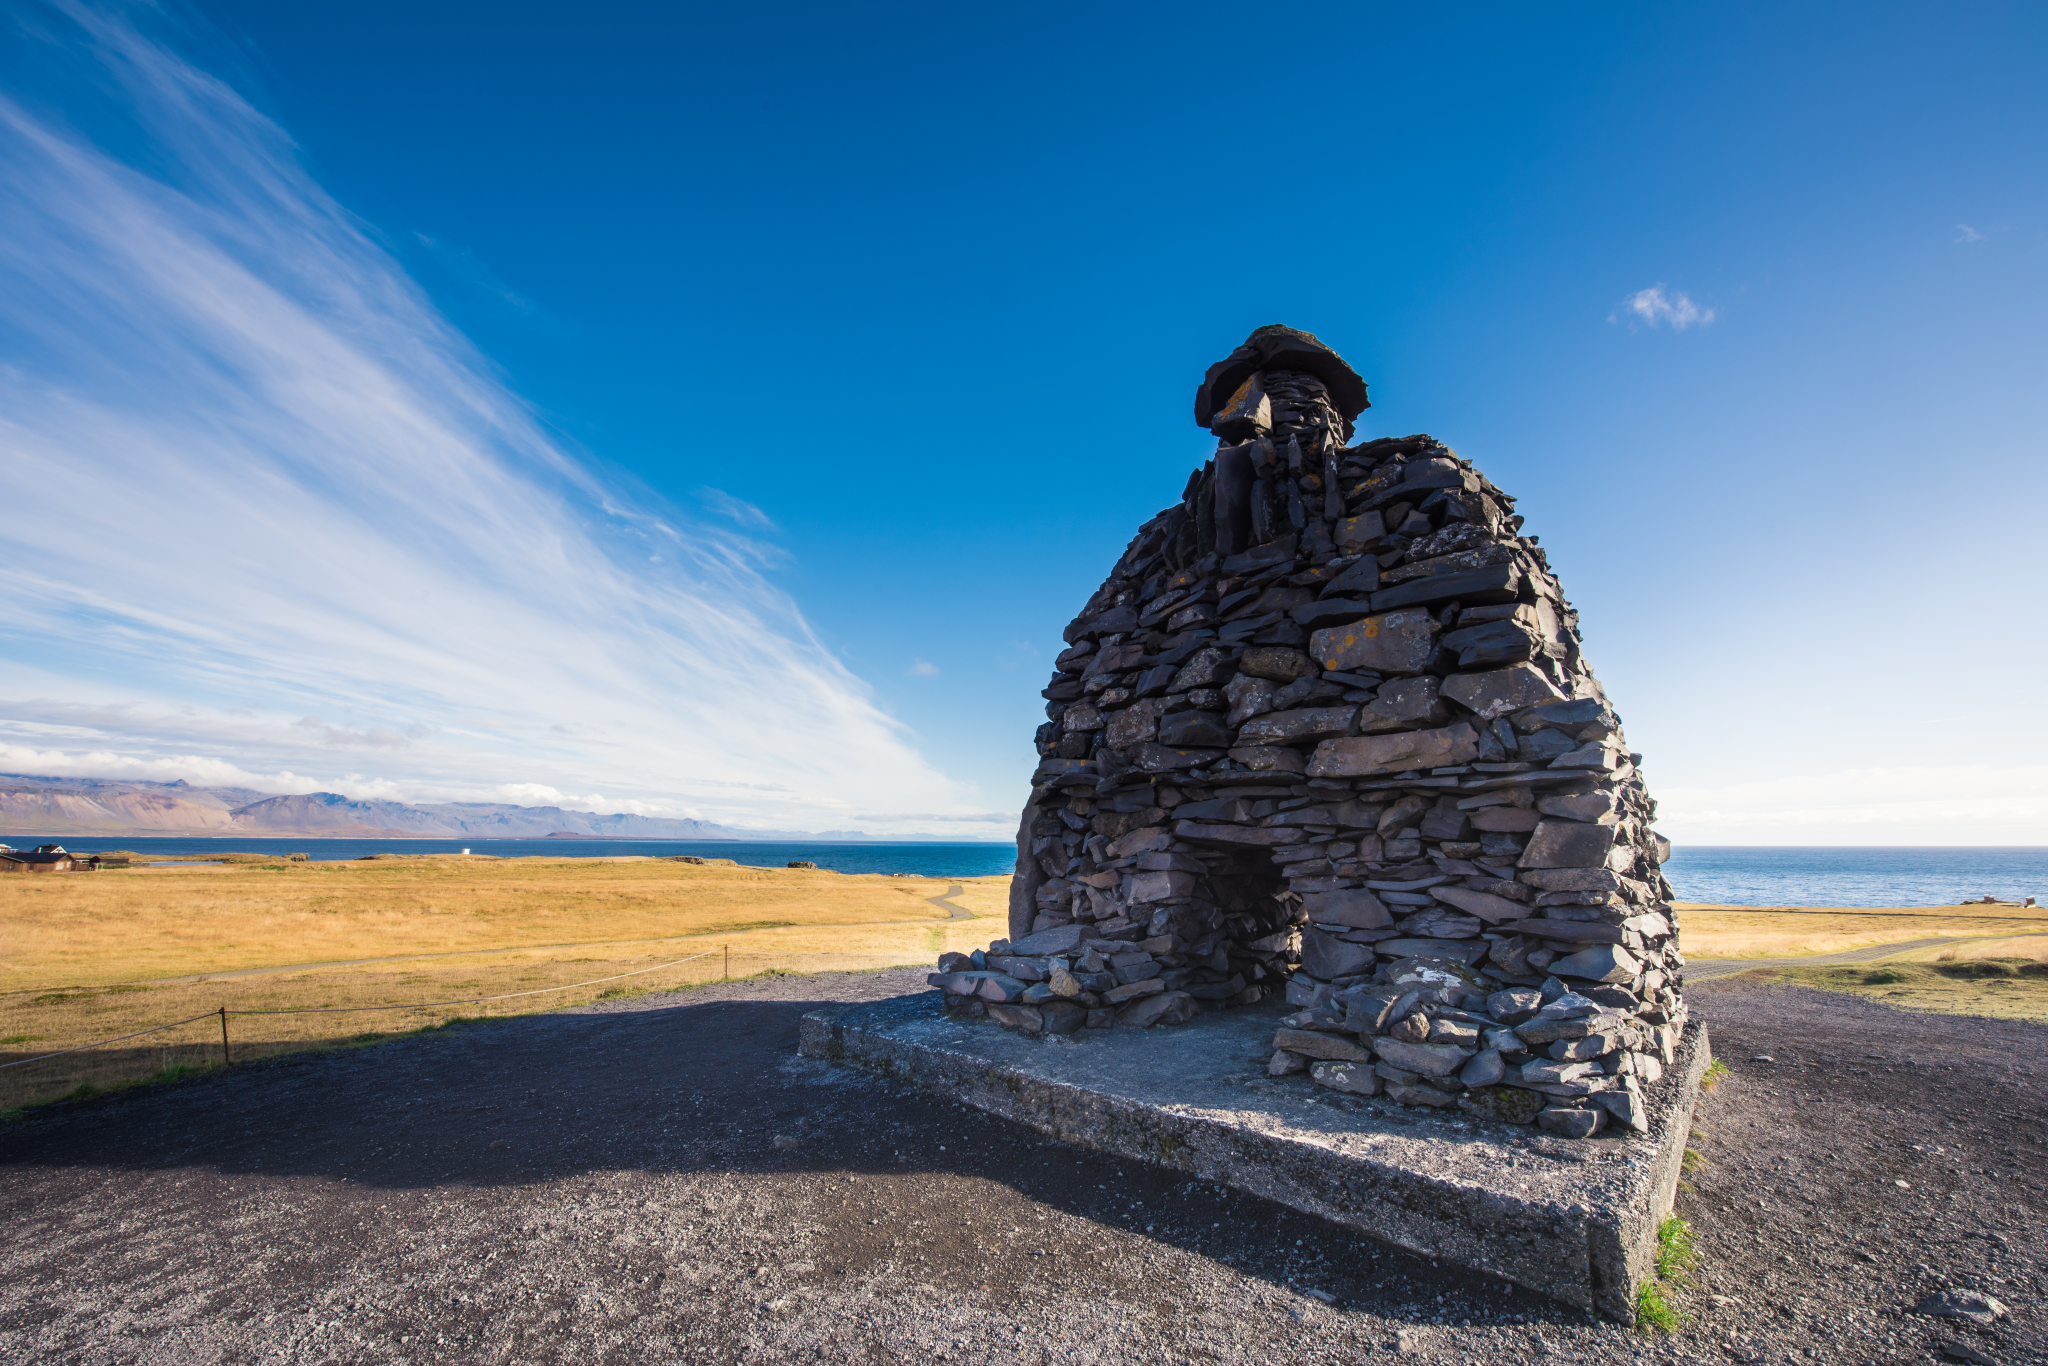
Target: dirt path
column 1707, row 969
column 953, row 911
column 662, row 1180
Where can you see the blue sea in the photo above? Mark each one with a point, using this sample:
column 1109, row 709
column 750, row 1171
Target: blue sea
column 1732, row 875
column 929, row 860
column 1726, row 875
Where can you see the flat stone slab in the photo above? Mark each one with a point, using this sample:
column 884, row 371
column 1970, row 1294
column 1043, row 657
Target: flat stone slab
column 1573, row 1219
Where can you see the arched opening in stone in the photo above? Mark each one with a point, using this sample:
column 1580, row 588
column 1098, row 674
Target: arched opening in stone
column 1149, row 889
column 1237, row 925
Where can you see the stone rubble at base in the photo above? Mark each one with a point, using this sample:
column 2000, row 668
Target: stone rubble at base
column 1326, row 729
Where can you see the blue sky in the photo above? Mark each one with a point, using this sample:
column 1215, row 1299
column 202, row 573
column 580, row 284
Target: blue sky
column 885, row 324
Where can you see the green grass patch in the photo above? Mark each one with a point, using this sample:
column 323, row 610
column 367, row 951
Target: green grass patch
column 1676, row 1254
column 1976, row 968
column 1713, row 1075
column 1654, row 1312
column 2002, row 988
column 13, row 1039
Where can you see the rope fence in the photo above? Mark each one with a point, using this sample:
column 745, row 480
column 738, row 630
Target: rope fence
column 102, row 1043
column 223, row 1013
column 473, row 1000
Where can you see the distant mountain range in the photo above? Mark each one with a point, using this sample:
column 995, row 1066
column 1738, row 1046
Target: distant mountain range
column 112, row 807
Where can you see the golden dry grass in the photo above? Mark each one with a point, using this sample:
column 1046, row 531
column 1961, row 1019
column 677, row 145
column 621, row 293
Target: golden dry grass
column 985, row 896
column 2028, row 950
column 1789, row 931
column 143, row 924
column 1932, row 987
column 92, row 956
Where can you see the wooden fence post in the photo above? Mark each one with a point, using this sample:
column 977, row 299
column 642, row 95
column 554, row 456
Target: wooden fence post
column 225, row 1060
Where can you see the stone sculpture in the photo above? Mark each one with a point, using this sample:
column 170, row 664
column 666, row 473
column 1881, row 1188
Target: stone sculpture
column 1326, row 730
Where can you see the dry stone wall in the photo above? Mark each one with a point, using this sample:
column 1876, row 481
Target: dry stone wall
column 1326, row 731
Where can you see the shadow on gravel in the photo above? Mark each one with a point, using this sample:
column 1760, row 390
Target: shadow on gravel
column 714, row 1087
column 664, row 1179
column 506, row 1102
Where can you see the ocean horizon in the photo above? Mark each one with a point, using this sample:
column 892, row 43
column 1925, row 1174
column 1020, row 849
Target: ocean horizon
column 1862, row 876
column 929, row 858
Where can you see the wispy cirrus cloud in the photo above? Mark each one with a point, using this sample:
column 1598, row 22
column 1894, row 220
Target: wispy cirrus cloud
column 376, row 737
column 738, row 510
column 1661, row 306
column 463, row 266
column 289, row 507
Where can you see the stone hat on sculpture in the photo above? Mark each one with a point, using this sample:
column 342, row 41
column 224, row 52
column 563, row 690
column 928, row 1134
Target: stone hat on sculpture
column 1279, row 348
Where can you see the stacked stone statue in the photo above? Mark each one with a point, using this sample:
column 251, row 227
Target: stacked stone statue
column 1326, row 730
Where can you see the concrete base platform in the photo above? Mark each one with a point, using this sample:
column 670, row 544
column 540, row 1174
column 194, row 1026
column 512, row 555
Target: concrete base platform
column 1573, row 1219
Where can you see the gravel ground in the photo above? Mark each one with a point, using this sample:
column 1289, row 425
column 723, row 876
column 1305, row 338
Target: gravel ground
column 662, row 1179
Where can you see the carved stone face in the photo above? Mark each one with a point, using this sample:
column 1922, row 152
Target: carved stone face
column 1280, row 404
column 1302, row 408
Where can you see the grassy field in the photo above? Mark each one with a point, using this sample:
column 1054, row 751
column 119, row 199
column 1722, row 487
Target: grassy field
column 2004, row 988
column 122, row 926
column 2003, row 977
column 92, row 956
column 1788, row 931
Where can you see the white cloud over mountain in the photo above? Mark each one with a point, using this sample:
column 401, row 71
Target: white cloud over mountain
column 276, row 523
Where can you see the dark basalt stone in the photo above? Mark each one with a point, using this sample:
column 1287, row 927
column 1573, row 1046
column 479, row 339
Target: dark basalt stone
column 1433, row 799
column 1275, row 347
